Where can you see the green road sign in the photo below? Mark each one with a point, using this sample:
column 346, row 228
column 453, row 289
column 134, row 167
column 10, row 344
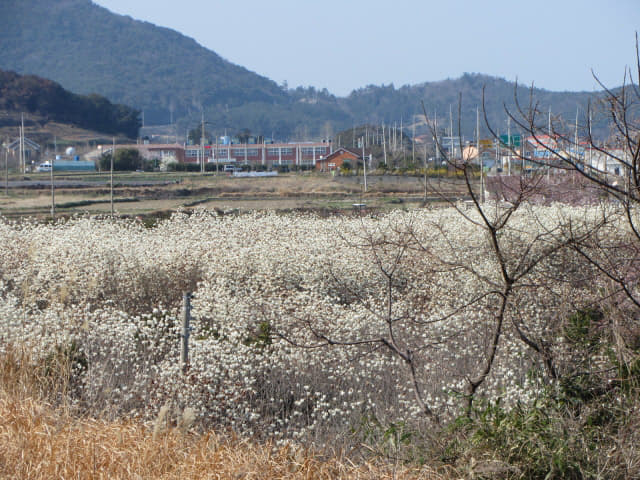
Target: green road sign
column 516, row 140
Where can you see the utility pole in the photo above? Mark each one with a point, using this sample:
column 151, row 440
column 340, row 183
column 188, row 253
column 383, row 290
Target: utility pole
column 576, row 134
column 6, row 171
column 413, row 143
column 53, row 193
column 509, row 144
column 437, row 144
column 590, row 143
column 202, row 144
column 217, row 154
column 479, row 156
column 395, row 137
column 113, row 154
column 402, row 143
column 453, row 147
column 384, row 146
column 498, row 158
column 364, row 165
column 22, row 164
column 547, row 152
column 425, row 173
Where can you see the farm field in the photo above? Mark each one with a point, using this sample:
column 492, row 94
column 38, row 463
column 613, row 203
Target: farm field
column 384, row 340
column 150, row 194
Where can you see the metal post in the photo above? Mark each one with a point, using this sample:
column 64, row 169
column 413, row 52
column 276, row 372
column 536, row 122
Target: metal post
column 186, row 319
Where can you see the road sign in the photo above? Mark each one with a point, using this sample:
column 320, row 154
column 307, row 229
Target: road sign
column 515, row 140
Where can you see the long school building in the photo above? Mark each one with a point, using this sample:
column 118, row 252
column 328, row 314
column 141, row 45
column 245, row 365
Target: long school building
column 301, row 154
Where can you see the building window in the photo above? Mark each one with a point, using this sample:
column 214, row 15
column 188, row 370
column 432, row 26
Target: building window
column 273, row 152
column 240, row 152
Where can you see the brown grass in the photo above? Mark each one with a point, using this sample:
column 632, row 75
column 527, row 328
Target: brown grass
column 40, row 441
column 282, row 192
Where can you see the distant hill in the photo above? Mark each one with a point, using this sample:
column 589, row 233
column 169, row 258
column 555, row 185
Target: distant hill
column 376, row 104
column 87, row 49
column 35, row 95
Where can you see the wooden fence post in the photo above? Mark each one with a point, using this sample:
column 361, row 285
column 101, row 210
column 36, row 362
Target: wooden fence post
column 186, row 319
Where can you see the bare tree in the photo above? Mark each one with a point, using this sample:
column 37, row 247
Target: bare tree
column 592, row 169
column 518, row 260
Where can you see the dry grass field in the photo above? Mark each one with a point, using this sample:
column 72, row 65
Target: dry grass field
column 39, row 441
column 147, row 194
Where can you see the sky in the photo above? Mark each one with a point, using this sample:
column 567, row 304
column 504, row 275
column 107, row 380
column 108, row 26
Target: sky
column 343, row 45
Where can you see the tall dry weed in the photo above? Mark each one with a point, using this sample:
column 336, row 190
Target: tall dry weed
column 38, row 442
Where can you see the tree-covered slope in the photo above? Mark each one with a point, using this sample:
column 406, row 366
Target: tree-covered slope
column 36, row 95
column 89, row 49
column 385, row 103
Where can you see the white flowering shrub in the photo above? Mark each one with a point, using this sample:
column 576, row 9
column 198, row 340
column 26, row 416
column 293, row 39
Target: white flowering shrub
column 303, row 326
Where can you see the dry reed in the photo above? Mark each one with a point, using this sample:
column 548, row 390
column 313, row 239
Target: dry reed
column 40, row 441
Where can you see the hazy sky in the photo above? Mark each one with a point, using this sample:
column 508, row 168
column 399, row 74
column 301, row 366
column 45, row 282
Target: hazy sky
column 347, row 44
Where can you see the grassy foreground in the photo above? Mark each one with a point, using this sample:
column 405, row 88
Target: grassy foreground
column 40, row 441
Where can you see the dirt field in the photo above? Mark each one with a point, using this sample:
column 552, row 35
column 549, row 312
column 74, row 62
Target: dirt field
column 149, row 194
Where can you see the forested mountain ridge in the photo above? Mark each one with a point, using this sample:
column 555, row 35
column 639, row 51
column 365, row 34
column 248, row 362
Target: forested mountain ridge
column 172, row 78
column 36, row 95
column 442, row 97
column 88, row 49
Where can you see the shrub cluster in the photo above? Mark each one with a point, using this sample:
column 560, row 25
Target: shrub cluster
column 294, row 317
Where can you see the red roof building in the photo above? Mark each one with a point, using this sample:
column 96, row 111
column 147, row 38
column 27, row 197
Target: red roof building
column 336, row 159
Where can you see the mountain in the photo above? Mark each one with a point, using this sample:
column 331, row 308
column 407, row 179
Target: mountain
column 377, row 104
column 47, row 99
column 88, row 49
